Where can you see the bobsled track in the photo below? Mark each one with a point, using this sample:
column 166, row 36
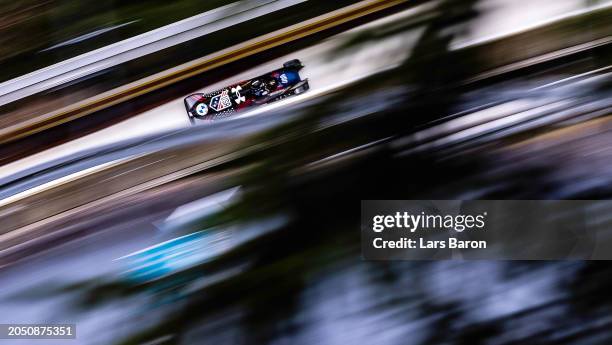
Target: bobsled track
column 123, row 150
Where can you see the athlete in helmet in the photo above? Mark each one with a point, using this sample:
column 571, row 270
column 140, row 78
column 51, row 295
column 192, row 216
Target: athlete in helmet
column 261, row 88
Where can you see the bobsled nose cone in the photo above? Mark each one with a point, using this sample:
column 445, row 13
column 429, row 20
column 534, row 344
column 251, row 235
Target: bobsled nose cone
column 191, row 100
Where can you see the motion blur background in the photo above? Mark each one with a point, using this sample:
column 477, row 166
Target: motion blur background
column 120, row 215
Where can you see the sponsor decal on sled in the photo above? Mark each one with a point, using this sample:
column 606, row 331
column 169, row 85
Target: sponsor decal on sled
column 221, row 101
column 284, row 79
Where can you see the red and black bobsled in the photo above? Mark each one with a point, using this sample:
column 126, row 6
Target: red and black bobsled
column 267, row 88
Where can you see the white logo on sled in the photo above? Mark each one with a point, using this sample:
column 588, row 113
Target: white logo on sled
column 284, row 78
column 236, row 91
column 201, row 109
column 220, row 101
